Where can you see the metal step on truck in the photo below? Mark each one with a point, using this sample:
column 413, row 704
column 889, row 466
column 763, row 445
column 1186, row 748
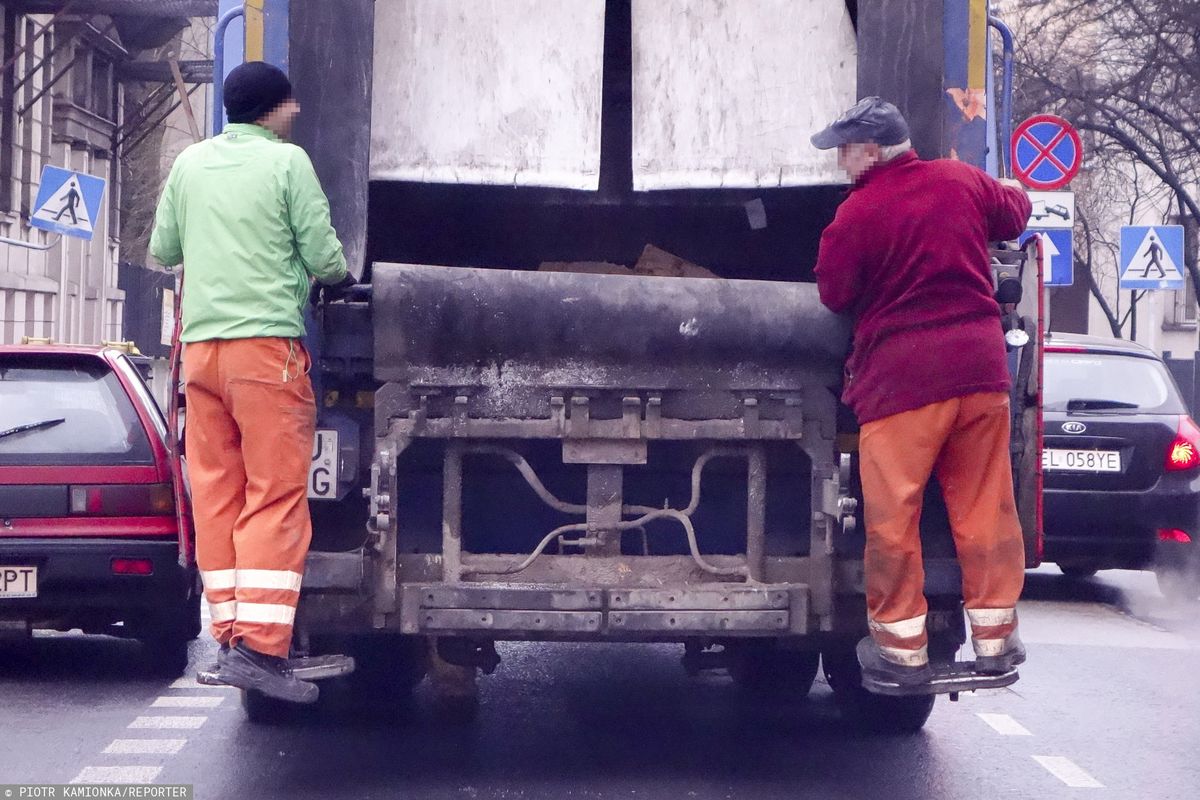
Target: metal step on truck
column 586, row 390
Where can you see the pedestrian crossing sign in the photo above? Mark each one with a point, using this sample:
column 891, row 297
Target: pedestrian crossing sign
column 67, row 202
column 1152, row 257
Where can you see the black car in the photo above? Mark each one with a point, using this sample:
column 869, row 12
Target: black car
column 1121, row 464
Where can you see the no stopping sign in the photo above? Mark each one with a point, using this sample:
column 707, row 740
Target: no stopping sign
column 1046, row 152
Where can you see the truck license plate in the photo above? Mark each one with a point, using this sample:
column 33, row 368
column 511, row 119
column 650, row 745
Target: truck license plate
column 1081, row 460
column 18, row 581
column 323, row 471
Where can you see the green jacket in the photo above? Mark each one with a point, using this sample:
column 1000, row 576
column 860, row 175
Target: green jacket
column 245, row 214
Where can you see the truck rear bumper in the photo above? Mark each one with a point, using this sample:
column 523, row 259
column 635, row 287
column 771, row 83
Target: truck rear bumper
column 530, row 611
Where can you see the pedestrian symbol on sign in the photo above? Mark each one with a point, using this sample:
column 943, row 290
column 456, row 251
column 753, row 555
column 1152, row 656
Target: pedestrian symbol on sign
column 69, row 203
column 1150, row 257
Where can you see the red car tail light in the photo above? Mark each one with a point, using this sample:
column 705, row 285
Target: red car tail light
column 132, row 566
column 124, row 500
column 1184, row 452
column 1174, row 535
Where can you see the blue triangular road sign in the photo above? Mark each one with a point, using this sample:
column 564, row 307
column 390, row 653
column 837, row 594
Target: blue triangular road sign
column 67, row 202
column 1152, row 257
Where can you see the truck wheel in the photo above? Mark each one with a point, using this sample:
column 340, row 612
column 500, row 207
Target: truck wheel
column 865, row 710
column 762, row 669
column 263, row 710
column 387, row 667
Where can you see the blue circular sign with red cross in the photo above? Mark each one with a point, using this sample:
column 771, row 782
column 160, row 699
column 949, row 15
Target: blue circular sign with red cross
column 1046, row 152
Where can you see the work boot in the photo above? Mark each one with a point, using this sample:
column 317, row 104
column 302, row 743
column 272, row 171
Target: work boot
column 873, row 663
column 215, row 666
column 1012, row 656
column 250, row 669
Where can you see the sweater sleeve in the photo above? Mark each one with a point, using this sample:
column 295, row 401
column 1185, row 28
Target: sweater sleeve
column 1007, row 209
column 308, row 210
column 840, row 264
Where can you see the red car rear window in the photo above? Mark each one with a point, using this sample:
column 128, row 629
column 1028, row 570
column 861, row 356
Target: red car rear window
column 61, row 411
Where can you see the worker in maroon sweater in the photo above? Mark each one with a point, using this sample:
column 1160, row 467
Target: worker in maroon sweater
column 907, row 257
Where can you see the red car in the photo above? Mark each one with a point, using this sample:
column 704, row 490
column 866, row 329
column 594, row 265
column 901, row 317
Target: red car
column 89, row 535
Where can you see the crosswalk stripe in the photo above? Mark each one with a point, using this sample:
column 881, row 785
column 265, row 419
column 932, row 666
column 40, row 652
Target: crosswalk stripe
column 145, row 747
column 117, row 775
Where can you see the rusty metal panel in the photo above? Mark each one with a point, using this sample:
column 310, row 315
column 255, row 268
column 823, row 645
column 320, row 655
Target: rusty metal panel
column 508, row 598
column 734, row 597
column 452, row 619
column 699, row 621
column 604, row 451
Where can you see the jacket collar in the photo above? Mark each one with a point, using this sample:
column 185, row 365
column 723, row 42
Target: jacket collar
column 887, row 167
column 250, row 129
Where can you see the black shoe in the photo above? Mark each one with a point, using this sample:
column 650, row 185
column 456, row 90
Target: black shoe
column 1010, row 659
column 871, row 659
column 215, row 666
column 250, row 669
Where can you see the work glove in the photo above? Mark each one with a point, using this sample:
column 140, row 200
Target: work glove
column 331, row 292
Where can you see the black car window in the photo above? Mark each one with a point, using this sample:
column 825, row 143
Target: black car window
column 1143, row 382
column 56, row 411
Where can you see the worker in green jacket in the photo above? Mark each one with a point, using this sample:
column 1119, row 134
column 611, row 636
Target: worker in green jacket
column 245, row 213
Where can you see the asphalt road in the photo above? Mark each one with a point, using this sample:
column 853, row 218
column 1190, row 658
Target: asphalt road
column 1107, row 706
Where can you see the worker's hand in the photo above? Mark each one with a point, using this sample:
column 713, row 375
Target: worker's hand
column 332, row 292
column 1011, row 183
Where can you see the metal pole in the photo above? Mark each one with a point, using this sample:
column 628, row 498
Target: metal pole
column 31, row 245
column 218, row 110
column 1006, row 36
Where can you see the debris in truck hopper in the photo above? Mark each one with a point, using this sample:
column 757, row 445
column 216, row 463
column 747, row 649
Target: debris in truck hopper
column 656, row 261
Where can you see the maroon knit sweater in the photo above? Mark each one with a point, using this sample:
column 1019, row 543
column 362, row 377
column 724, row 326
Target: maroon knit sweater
column 907, row 257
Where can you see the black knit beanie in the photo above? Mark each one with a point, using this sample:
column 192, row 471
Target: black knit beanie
column 254, row 89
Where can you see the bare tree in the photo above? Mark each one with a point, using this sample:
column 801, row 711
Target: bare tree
column 1127, row 73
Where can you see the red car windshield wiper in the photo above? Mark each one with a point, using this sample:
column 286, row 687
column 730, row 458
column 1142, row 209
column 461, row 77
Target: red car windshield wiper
column 33, row 426
column 1090, row 404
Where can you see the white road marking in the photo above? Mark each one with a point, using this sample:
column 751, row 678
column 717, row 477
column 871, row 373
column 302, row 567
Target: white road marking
column 1068, row 772
column 175, row 701
column 192, row 683
column 1004, row 725
column 117, row 775
column 168, row 723
column 145, row 747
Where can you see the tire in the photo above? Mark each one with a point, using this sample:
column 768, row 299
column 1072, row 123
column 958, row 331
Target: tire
column 165, row 657
column 263, row 710
column 165, row 638
column 1177, row 584
column 761, row 669
column 1077, row 572
column 387, row 667
column 865, row 710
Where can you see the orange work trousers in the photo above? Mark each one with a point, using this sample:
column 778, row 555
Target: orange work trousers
column 250, row 421
column 965, row 442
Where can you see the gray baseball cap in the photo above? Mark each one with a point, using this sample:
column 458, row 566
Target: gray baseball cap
column 872, row 119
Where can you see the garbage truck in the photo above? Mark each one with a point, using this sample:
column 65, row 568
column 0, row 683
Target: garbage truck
column 585, row 390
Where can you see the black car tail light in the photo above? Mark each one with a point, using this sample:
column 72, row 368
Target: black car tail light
column 1184, row 452
column 1174, row 535
column 124, row 500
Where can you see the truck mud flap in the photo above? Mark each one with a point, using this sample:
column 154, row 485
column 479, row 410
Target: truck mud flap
column 731, row 609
